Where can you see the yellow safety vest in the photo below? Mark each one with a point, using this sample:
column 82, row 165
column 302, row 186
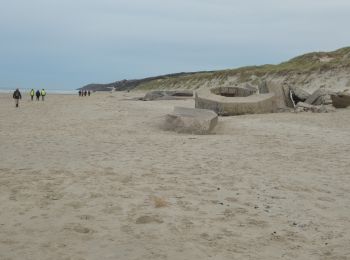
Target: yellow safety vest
column 32, row 92
column 43, row 93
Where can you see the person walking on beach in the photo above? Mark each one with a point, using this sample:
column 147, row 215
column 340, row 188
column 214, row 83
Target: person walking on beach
column 17, row 96
column 85, row 92
column 32, row 94
column 37, row 94
column 43, row 94
column 89, row 93
column 79, row 93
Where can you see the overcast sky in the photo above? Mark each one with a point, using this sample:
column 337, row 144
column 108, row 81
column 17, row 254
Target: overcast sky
column 69, row 43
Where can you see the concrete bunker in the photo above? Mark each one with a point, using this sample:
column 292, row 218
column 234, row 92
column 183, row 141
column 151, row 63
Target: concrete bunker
column 229, row 101
column 232, row 91
column 269, row 97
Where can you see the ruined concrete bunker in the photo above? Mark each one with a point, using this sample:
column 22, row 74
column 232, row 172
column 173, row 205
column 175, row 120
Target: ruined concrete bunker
column 228, row 101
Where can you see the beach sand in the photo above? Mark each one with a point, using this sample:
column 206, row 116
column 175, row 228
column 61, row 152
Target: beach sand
column 96, row 178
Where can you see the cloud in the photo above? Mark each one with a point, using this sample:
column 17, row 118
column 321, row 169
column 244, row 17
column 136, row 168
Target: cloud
column 75, row 42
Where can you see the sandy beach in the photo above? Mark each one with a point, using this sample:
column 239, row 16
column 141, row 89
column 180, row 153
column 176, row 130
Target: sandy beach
column 96, row 178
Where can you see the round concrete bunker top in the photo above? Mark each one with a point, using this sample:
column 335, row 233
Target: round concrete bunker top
column 244, row 95
column 235, row 101
column 232, row 91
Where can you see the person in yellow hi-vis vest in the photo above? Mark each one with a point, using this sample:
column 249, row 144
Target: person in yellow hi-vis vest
column 43, row 94
column 32, row 94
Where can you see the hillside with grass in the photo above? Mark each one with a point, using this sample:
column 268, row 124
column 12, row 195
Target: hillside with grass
column 308, row 71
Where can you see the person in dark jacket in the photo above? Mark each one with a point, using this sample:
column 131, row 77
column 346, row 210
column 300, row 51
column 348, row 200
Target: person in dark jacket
column 17, row 96
column 37, row 94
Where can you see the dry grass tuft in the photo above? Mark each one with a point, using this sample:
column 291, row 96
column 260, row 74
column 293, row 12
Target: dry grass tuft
column 160, row 202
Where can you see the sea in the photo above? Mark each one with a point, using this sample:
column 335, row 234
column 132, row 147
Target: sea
column 48, row 91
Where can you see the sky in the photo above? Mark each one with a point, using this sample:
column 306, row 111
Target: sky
column 65, row 44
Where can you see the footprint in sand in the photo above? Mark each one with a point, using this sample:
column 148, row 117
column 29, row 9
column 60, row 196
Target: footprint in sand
column 327, row 199
column 86, row 217
column 75, row 204
column 148, row 220
column 126, row 229
column 53, row 196
column 78, row 228
column 257, row 223
column 112, row 209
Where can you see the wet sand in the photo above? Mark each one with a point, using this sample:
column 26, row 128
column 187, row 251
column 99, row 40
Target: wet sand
column 96, row 178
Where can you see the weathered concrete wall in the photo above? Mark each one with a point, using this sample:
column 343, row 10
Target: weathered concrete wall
column 232, row 91
column 190, row 120
column 282, row 94
column 253, row 104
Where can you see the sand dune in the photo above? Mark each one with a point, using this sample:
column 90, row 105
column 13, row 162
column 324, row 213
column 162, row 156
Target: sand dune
column 95, row 178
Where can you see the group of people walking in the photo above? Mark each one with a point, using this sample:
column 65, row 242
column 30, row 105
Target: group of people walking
column 17, row 95
column 83, row 93
column 38, row 93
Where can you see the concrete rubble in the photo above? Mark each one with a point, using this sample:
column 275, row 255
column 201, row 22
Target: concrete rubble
column 191, row 120
column 167, row 95
column 305, row 107
column 341, row 99
column 320, row 97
